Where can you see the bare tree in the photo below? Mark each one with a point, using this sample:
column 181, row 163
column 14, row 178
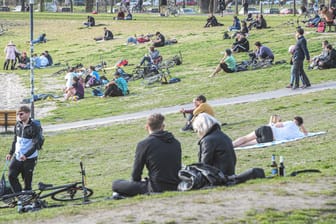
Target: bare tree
column 89, row 5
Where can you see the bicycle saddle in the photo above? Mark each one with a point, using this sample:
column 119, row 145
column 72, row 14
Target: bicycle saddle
column 42, row 186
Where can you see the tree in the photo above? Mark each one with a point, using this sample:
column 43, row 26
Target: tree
column 209, row 6
column 89, row 5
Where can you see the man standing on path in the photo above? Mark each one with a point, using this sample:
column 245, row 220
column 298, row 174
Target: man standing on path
column 24, row 150
column 300, row 53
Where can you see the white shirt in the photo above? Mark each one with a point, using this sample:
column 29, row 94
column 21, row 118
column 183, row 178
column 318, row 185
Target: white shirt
column 289, row 131
column 69, row 77
column 44, row 61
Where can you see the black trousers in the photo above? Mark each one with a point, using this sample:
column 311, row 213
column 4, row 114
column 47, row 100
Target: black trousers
column 26, row 169
column 113, row 90
column 130, row 188
column 297, row 71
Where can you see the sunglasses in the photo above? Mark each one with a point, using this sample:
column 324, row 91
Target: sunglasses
column 20, row 114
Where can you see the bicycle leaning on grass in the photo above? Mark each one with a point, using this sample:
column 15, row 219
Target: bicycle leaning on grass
column 33, row 200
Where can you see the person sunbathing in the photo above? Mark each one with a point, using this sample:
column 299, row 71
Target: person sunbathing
column 279, row 131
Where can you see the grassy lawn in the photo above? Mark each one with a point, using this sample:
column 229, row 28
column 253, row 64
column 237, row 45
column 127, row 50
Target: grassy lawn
column 108, row 152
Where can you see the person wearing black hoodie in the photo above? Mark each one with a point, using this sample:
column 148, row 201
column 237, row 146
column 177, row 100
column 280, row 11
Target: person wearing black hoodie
column 160, row 152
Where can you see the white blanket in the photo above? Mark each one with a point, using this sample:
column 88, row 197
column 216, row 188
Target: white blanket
column 262, row 145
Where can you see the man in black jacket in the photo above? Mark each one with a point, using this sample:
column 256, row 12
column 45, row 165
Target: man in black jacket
column 301, row 52
column 160, row 152
column 23, row 154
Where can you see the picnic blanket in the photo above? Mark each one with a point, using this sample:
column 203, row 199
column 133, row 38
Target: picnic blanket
column 262, row 145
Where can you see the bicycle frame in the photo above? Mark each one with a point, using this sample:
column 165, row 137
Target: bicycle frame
column 66, row 192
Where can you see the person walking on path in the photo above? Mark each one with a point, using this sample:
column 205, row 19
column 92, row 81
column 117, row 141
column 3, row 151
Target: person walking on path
column 300, row 53
column 23, row 154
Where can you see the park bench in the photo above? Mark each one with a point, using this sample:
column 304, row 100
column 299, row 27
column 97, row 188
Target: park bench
column 330, row 24
column 7, row 118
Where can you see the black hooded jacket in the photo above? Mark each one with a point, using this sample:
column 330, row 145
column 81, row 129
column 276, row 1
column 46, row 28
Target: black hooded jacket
column 160, row 152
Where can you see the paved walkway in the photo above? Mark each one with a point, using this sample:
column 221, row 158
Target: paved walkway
column 169, row 110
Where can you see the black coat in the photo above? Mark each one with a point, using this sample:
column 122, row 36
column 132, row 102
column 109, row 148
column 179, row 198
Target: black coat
column 301, row 51
column 216, row 149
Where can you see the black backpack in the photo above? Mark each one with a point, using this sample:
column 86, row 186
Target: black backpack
column 200, row 175
column 41, row 138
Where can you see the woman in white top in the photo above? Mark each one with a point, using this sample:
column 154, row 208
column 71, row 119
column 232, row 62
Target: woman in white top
column 276, row 132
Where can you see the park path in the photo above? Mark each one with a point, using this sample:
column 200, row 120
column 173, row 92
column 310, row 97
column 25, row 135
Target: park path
column 174, row 109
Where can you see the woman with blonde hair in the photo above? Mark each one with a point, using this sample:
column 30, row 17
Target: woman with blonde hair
column 215, row 147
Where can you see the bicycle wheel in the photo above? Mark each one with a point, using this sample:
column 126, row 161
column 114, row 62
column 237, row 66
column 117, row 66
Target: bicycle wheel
column 151, row 80
column 71, row 194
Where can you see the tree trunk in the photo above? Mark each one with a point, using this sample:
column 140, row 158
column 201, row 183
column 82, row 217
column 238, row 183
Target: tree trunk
column 210, row 6
column 89, row 6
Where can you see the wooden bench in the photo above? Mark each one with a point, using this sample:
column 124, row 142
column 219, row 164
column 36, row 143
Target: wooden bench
column 330, row 24
column 7, row 118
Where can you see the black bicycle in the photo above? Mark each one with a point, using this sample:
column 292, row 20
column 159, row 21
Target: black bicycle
column 34, row 199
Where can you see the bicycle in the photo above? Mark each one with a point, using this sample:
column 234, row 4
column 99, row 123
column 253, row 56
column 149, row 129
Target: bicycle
column 163, row 76
column 31, row 200
column 175, row 60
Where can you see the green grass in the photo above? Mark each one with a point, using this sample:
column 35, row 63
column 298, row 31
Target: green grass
column 108, row 152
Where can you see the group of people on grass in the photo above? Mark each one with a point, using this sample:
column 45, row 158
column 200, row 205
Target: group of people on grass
column 14, row 59
column 160, row 152
column 299, row 52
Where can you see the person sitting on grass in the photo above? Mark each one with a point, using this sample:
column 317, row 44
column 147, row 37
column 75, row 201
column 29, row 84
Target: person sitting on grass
column 215, row 147
column 159, row 41
column 321, row 57
column 161, row 154
column 93, row 79
column 261, row 22
column 108, row 35
column 280, row 131
column 227, row 64
column 241, row 44
column 152, row 57
column 90, row 21
column 235, row 25
column 330, row 60
column 76, row 91
column 116, row 87
column 50, row 60
column 200, row 106
column 263, row 53
column 212, row 21
column 24, row 61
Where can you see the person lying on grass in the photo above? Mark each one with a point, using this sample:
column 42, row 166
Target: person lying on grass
column 280, row 131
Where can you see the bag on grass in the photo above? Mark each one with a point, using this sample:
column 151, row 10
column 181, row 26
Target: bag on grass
column 5, row 187
column 200, row 175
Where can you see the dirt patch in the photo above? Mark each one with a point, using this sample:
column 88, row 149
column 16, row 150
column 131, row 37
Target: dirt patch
column 14, row 92
column 217, row 206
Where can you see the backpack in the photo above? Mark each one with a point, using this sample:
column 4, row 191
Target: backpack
column 5, row 187
column 200, row 175
column 40, row 135
column 320, row 27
